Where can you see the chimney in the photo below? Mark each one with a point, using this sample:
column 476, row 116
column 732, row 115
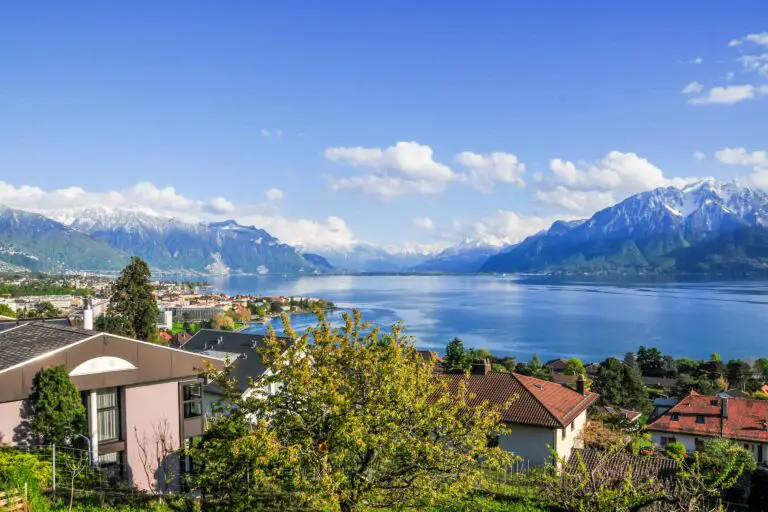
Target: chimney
column 725, row 407
column 87, row 315
column 581, row 385
column 481, row 368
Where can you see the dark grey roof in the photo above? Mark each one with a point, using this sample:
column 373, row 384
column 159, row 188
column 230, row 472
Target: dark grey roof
column 33, row 339
column 612, row 469
column 220, row 343
column 13, row 322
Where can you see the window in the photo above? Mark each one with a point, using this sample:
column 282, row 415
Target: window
column 675, row 416
column 666, row 440
column 699, row 443
column 563, row 435
column 108, row 414
column 111, row 464
column 192, row 398
column 700, row 418
column 573, row 425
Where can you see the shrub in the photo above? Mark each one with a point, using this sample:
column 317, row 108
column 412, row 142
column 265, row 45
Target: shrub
column 675, row 450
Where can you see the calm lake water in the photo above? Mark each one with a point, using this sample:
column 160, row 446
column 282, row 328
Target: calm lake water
column 548, row 316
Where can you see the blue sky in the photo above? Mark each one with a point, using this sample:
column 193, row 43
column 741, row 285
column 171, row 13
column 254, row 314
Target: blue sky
column 391, row 122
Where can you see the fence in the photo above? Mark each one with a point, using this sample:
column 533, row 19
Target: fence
column 74, row 475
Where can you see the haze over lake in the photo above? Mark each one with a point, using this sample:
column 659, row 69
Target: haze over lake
column 552, row 317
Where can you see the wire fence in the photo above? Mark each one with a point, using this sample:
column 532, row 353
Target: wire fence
column 73, row 474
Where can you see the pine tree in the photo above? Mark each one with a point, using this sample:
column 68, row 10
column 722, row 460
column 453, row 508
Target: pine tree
column 131, row 297
column 57, row 413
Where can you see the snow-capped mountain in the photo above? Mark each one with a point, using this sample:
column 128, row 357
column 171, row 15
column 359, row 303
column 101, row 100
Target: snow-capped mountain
column 172, row 244
column 643, row 231
column 467, row 256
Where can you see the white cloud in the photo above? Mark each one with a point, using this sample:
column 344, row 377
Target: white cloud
column 403, row 169
column 586, row 188
column 265, row 133
column 729, row 76
column 729, row 94
column 504, row 227
column 741, row 156
column 697, row 60
column 699, row 156
column 484, row 171
column 274, row 194
column 423, row 222
column 221, row 205
column 584, row 202
column 758, row 63
column 167, row 202
column 692, row 88
column 757, row 38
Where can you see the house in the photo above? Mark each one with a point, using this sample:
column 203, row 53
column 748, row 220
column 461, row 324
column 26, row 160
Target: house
column 662, row 405
column 699, row 418
column 242, row 352
column 556, row 365
column 592, row 369
column 165, row 336
column 131, row 389
column 659, row 382
column 542, row 414
column 566, row 380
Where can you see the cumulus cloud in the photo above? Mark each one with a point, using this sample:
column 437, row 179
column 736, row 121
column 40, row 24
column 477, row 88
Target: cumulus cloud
column 423, row 222
column 403, row 169
column 484, row 171
column 221, row 205
column 758, row 63
column 742, row 156
column 697, row 60
column 757, row 38
column 692, row 88
column 730, row 94
column 699, row 156
column 273, row 194
column 585, row 188
column 504, row 227
column 168, row 202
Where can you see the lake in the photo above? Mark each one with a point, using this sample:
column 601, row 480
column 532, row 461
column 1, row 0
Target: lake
column 552, row 317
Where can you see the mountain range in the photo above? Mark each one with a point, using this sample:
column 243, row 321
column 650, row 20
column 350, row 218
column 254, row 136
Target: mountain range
column 706, row 227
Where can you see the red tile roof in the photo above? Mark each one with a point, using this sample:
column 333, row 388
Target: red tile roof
column 745, row 419
column 534, row 401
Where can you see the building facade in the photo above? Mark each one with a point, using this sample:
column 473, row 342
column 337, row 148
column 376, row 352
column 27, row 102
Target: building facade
column 135, row 393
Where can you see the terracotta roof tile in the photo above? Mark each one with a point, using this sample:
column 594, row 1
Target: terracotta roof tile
column 745, row 419
column 534, row 401
column 612, row 469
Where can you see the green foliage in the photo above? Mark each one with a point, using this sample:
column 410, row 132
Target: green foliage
column 113, row 324
column 43, row 309
column 456, row 356
column 574, row 366
column 42, row 286
column 131, row 298
column 651, row 362
column 739, row 373
column 620, row 385
column 18, row 469
column 358, row 419
column 5, row 310
column 675, row 450
column 57, row 413
column 223, row 322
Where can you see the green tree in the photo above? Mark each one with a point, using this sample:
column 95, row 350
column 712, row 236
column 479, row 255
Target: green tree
column 739, row 373
column 131, row 297
column 761, row 367
column 574, row 366
column 620, row 384
column 44, row 309
column 57, row 413
column 651, row 362
column 5, row 310
column 455, row 354
column 113, row 324
column 358, row 420
column 223, row 322
column 675, row 450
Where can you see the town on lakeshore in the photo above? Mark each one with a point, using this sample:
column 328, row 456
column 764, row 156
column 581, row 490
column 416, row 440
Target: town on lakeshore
column 153, row 413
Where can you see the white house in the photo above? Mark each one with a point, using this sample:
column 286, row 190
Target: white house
column 699, row 418
column 542, row 414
